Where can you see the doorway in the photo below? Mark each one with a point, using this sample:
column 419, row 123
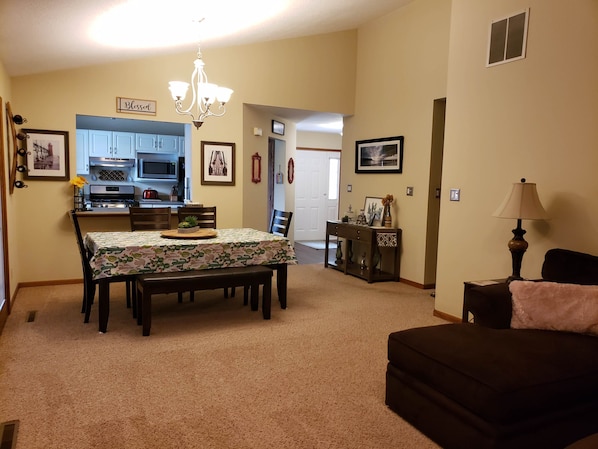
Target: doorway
column 433, row 220
column 316, row 192
column 277, row 149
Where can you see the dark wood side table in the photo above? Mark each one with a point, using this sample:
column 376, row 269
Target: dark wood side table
column 471, row 284
column 380, row 245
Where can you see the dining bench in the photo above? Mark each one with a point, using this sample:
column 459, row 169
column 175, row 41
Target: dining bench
column 252, row 276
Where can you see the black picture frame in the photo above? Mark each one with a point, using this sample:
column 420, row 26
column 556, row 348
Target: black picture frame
column 382, row 155
column 217, row 163
column 277, row 127
column 47, row 155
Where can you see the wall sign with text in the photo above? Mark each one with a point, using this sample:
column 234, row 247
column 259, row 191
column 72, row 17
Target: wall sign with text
column 135, row 106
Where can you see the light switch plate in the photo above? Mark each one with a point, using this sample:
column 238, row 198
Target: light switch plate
column 349, row 187
column 409, row 191
column 455, row 194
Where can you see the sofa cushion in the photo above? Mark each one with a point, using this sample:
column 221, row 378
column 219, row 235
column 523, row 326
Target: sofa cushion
column 572, row 267
column 554, row 306
column 502, row 375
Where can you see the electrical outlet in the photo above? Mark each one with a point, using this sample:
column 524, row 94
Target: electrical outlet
column 455, row 194
column 409, row 191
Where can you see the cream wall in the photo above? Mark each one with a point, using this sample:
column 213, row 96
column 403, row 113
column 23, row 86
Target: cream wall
column 319, row 140
column 255, row 195
column 402, row 65
column 315, row 73
column 534, row 118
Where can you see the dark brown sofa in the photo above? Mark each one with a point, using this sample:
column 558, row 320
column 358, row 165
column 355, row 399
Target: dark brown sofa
column 486, row 385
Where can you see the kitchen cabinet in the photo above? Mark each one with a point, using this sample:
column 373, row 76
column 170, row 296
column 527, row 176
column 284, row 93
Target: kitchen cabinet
column 111, row 144
column 156, row 143
column 82, row 152
column 181, row 146
column 370, row 253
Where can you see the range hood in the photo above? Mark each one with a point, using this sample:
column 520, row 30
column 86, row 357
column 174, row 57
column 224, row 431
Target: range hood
column 111, row 162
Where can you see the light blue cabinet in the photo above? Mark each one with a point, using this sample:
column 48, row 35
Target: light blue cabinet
column 82, row 152
column 156, row 143
column 111, row 144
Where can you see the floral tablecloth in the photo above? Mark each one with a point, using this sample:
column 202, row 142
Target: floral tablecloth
column 125, row 253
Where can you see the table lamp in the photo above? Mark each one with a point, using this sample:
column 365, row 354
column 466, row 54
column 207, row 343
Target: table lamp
column 521, row 203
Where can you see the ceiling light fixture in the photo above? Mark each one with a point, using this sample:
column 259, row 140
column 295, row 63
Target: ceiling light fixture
column 205, row 95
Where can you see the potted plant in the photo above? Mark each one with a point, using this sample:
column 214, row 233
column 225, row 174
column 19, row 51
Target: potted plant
column 188, row 225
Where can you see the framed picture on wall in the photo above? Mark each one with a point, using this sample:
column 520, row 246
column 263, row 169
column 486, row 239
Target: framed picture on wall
column 383, row 155
column 217, row 163
column 47, row 156
column 278, row 127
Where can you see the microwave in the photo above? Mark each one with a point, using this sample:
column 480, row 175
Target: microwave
column 155, row 167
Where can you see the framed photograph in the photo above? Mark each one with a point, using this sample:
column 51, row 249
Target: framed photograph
column 217, row 163
column 384, row 155
column 278, row 128
column 47, row 155
column 373, row 210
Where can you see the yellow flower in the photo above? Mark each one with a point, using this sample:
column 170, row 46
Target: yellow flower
column 78, row 181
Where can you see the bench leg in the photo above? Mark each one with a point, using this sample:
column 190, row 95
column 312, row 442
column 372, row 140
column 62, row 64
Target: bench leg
column 255, row 296
column 146, row 313
column 267, row 299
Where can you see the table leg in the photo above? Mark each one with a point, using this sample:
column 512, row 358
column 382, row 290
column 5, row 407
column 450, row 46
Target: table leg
column 281, row 284
column 103, row 303
column 267, row 299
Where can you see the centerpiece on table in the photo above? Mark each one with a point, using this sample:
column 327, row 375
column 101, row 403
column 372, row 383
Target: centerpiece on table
column 188, row 225
column 78, row 183
column 386, row 217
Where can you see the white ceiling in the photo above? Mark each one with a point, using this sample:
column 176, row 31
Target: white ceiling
column 39, row 35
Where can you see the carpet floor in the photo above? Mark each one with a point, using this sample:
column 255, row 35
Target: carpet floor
column 213, row 374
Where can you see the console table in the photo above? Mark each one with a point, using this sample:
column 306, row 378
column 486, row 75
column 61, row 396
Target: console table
column 370, row 252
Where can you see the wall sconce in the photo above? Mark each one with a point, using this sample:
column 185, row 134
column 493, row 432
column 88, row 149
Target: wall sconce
column 256, row 168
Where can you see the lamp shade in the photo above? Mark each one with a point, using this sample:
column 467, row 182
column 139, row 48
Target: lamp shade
column 522, row 203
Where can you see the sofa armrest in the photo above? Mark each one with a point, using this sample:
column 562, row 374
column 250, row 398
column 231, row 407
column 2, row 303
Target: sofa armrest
column 490, row 305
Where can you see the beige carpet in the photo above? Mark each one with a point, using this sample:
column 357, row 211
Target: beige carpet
column 212, row 374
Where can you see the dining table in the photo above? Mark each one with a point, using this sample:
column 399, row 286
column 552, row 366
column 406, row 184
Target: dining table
column 142, row 252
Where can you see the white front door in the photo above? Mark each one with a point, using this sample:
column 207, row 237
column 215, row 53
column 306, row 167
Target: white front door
column 316, row 192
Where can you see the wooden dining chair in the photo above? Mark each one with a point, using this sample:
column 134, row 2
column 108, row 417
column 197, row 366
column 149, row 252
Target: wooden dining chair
column 149, row 218
column 89, row 285
column 206, row 218
column 280, row 224
column 206, row 215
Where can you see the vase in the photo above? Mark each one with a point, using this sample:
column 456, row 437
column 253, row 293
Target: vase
column 78, row 198
column 188, row 230
column 339, row 252
column 386, row 217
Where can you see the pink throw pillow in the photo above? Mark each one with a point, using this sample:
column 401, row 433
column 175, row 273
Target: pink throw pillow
column 554, row 306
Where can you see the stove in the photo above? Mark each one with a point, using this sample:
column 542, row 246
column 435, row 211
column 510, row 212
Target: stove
column 103, row 197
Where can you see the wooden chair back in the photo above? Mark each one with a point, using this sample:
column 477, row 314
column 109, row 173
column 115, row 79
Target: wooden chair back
column 206, row 215
column 149, row 218
column 280, row 222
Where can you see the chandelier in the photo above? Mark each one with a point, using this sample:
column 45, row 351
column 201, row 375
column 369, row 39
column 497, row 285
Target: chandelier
column 205, row 95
